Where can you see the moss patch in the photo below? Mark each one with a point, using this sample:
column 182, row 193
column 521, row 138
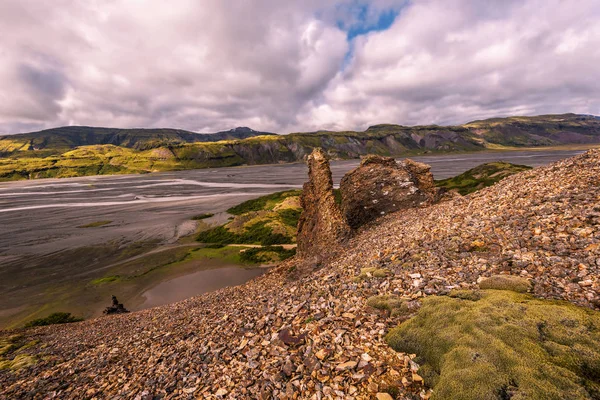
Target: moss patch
column 106, row 279
column 54, row 318
column 95, row 224
column 267, row 202
column 506, row 282
column 481, row 176
column 394, row 304
column 505, row 345
column 261, row 255
column 373, row 272
column 11, row 353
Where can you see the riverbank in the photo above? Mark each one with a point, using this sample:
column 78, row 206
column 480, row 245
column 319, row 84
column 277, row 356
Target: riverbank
column 47, row 257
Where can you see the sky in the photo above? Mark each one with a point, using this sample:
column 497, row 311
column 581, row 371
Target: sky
column 288, row 66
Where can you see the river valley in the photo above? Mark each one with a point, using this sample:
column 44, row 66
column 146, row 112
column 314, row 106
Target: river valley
column 65, row 244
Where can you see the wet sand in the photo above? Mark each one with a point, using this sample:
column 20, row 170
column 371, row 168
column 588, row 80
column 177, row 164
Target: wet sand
column 196, row 283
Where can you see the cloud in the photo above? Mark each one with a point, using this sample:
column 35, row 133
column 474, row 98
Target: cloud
column 288, row 66
column 452, row 61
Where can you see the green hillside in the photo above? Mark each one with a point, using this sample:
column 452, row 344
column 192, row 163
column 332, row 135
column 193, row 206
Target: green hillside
column 80, row 151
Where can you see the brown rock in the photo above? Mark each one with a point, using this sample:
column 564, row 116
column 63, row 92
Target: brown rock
column 321, row 226
column 380, row 186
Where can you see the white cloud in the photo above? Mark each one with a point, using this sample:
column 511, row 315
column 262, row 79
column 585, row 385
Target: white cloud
column 279, row 66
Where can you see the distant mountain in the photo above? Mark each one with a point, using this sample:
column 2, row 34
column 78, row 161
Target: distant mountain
column 70, row 137
column 77, row 151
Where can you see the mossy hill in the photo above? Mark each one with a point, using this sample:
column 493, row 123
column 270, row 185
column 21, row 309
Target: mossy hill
column 266, row 220
column 500, row 344
column 481, row 176
column 80, row 151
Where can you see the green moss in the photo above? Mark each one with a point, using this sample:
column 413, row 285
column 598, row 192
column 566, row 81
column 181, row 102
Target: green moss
column 262, row 203
column 504, row 345
column 258, row 233
column 266, row 254
column 106, row 279
column 11, row 353
column 394, row 304
column 95, row 224
column 481, row 176
column 289, row 216
column 54, row 318
column 373, row 272
column 506, row 282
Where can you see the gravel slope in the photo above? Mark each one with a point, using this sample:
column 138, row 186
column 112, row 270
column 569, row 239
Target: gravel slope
column 315, row 338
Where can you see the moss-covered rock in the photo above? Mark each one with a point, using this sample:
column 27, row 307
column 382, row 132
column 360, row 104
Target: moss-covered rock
column 12, row 356
column 506, row 282
column 504, row 345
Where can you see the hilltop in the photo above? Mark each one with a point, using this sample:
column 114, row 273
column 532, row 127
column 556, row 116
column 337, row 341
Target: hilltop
column 57, row 140
column 332, row 331
column 80, row 151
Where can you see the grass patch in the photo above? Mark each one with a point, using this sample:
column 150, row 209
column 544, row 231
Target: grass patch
column 95, row 224
column 202, row 216
column 261, row 255
column 229, row 254
column 481, row 176
column 504, row 345
column 52, row 319
column 262, row 203
column 289, row 216
column 106, row 279
column 257, row 233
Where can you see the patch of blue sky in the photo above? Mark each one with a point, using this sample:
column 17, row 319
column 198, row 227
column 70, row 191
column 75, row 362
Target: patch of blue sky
column 363, row 23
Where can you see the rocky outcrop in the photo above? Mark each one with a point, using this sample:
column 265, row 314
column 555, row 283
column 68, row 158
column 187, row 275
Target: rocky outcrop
column 321, row 226
column 115, row 308
column 381, row 185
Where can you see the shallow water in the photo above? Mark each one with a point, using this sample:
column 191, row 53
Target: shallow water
column 196, row 283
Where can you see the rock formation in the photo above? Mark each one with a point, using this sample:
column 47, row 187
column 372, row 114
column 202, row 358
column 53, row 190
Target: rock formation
column 115, row 308
column 321, row 226
column 381, row 185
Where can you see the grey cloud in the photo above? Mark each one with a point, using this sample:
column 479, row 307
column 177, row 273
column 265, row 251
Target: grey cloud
column 277, row 65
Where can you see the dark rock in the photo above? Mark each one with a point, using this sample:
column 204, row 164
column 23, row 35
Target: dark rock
column 321, row 227
column 380, row 185
column 115, row 308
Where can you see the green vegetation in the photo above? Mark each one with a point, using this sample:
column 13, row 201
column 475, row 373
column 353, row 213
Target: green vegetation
column 54, row 318
column 80, row 151
column 267, row 220
column 373, row 272
column 11, row 353
column 481, row 176
column 506, row 282
column 266, row 254
column 499, row 344
column 95, row 224
column 267, row 202
column 106, row 279
column 257, row 233
column 394, row 304
column 202, row 216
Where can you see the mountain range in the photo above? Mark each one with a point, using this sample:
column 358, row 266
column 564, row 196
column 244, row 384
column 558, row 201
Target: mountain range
column 79, row 151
